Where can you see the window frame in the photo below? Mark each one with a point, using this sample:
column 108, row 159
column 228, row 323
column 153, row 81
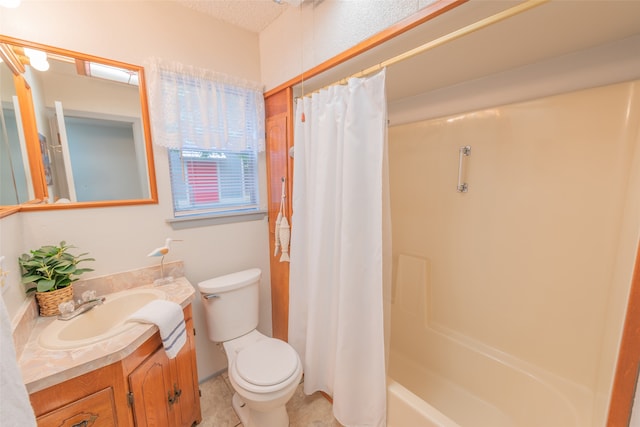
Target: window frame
column 249, row 184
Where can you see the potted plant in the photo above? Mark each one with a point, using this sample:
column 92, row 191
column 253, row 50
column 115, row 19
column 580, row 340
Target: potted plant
column 49, row 272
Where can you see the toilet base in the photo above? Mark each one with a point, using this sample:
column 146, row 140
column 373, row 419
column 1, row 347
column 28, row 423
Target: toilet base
column 277, row 417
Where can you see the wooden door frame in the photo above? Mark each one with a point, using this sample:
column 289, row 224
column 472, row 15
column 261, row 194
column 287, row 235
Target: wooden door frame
column 279, row 108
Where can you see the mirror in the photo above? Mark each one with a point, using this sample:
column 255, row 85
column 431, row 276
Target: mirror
column 14, row 166
column 86, row 129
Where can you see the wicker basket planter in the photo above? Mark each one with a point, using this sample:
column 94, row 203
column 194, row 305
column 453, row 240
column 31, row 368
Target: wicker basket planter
column 49, row 272
column 48, row 301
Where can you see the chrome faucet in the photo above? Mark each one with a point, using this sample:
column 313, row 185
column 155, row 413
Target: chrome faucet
column 83, row 307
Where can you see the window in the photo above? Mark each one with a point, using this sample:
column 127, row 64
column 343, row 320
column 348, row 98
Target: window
column 213, row 128
column 210, row 181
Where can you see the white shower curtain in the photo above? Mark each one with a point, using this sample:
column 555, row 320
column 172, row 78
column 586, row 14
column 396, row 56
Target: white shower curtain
column 336, row 280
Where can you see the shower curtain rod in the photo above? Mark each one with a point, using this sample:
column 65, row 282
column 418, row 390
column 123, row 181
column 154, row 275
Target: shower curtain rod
column 485, row 22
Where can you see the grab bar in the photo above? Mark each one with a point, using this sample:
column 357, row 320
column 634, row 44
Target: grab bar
column 465, row 151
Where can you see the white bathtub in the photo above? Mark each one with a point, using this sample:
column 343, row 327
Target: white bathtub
column 455, row 384
column 439, row 377
column 405, row 409
column 468, row 382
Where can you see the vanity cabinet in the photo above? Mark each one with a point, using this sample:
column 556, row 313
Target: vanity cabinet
column 166, row 389
column 145, row 389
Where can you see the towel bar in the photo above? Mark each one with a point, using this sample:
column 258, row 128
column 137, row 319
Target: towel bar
column 465, row 151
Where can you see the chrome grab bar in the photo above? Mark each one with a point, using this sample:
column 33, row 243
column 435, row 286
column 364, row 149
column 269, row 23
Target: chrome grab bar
column 465, row 151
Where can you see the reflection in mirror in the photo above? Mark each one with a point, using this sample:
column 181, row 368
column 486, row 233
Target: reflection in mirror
column 14, row 166
column 92, row 126
column 90, row 133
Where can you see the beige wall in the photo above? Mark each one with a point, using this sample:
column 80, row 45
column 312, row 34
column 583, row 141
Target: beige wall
column 536, row 259
column 120, row 238
column 303, row 37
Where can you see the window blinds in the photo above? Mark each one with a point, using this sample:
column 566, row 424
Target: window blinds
column 209, row 182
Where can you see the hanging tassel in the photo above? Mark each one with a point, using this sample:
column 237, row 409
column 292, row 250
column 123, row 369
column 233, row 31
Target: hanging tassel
column 285, row 234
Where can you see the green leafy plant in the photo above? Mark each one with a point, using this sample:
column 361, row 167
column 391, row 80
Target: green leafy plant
column 51, row 267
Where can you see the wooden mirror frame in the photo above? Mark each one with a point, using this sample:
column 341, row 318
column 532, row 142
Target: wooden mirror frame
column 34, row 153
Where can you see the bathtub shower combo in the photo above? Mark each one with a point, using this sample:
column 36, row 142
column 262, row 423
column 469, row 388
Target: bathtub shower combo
column 514, row 238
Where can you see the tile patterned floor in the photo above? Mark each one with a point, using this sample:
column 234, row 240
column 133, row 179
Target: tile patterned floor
column 304, row 411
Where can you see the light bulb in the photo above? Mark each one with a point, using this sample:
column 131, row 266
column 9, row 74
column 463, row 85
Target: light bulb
column 35, row 55
column 37, row 59
column 40, row 64
column 11, row 4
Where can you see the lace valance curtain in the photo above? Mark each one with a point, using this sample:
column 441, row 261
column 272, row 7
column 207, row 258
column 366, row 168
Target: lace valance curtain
column 197, row 108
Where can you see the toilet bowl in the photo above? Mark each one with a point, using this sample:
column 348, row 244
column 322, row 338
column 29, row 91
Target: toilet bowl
column 264, row 372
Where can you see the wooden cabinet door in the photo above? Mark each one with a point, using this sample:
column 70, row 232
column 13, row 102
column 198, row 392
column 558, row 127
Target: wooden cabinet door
column 165, row 391
column 152, row 390
column 94, row 410
column 185, row 382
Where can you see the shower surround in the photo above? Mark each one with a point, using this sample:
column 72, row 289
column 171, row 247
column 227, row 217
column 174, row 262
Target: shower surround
column 508, row 300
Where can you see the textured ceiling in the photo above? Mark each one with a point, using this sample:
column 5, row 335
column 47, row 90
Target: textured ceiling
column 252, row 15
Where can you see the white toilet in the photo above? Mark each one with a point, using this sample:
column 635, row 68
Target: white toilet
column 263, row 371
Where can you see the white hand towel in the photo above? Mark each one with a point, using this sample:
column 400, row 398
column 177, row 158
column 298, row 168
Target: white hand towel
column 15, row 406
column 169, row 318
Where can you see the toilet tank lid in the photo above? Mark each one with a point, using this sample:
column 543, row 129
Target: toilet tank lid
column 230, row 282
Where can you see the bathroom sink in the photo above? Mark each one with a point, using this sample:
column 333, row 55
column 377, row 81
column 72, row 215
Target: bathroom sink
column 101, row 322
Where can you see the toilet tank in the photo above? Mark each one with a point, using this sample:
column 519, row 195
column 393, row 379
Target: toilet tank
column 231, row 304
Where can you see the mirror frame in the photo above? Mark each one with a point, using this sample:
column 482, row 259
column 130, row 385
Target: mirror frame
column 33, row 145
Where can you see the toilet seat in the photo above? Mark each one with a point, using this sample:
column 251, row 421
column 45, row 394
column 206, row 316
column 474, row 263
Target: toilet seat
column 267, row 362
column 266, row 365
